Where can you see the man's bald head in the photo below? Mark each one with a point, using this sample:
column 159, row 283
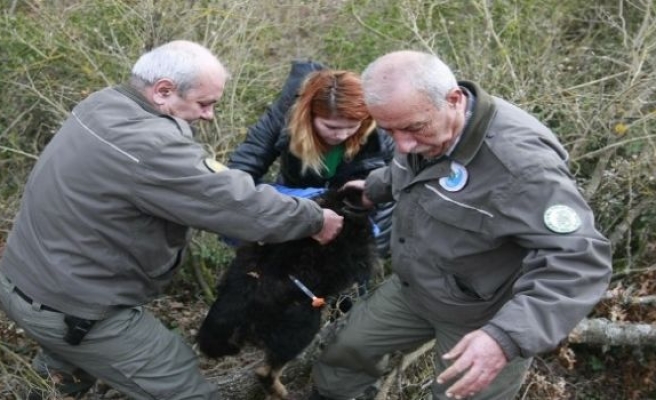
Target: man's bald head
column 407, row 70
column 184, row 62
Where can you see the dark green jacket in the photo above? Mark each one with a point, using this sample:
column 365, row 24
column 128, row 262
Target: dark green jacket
column 105, row 216
column 514, row 251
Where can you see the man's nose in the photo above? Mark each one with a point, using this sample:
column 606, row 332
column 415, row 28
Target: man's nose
column 404, row 143
column 207, row 115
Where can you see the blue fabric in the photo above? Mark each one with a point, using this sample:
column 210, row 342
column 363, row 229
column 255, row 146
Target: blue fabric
column 307, row 193
column 230, row 241
column 374, row 227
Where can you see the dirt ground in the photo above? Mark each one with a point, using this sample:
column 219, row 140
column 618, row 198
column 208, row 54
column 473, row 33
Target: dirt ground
column 570, row 372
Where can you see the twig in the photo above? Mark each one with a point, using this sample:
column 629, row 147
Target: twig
column 12, row 7
column 633, row 213
column 490, row 26
column 377, row 32
column 58, row 107
column 29, row 371
column 406, row 361
column 622, row 274
column 28, row 155
column 199, row 268
column 590, row 83
column 414, row 28
column 200, row 272
column 18, row 118
column 633, row 300
column 612, row 146
column 597, row 175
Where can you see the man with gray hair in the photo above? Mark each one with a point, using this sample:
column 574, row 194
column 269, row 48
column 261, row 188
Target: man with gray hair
column 494, row 251
column 105, row 220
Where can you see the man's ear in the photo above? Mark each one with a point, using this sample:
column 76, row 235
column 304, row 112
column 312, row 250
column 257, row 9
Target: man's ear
column 162, row 89
column 454, row 96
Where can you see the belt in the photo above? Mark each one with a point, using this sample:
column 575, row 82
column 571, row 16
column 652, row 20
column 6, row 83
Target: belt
column 29, row 300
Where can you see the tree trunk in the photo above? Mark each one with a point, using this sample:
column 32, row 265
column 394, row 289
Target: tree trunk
column 604, row 332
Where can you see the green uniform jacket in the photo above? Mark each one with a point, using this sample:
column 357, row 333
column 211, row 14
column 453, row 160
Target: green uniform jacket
column 105, row 215
column 489, row 254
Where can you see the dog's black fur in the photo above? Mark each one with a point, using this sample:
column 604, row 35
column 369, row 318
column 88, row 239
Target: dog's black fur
column 258, row 303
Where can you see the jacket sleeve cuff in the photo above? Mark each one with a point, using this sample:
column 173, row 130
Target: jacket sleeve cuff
column 376, row 187
column 316, row 225
column 510, row 349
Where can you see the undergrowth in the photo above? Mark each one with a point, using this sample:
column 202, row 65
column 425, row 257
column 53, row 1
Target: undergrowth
column 584, row 68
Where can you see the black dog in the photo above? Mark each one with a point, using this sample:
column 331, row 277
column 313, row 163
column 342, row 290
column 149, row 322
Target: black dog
column 265, row 296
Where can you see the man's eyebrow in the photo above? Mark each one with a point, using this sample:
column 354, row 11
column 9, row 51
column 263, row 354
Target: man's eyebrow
column 411, row 125
column 416, row 124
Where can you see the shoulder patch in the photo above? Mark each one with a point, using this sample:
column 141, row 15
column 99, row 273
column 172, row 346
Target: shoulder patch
column 214, row 165
column 560, row 218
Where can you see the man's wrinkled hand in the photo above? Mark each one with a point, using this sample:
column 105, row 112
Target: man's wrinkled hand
column 478, row 359
column 332, row 226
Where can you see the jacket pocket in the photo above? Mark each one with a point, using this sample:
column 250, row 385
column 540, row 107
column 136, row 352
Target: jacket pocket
column 159, row 246
column 450, row 211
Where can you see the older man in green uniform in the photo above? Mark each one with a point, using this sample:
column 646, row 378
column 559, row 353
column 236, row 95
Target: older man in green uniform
column 105, row 220
column 494, row 250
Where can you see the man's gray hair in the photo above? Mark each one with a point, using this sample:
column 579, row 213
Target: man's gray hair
column 424, row 72
column 181, row 61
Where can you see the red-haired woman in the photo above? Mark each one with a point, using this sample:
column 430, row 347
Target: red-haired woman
column 323, row 136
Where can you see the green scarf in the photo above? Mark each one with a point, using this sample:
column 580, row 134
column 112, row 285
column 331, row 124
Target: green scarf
column 332, row 159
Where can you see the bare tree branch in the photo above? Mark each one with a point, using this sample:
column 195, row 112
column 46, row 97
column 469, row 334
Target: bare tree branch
column 604, row 332
column 634, row 212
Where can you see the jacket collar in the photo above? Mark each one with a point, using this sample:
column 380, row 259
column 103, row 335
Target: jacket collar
column 138, row 98
column 476, row 129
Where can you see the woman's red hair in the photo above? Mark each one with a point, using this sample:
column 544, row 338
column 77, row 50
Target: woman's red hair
column 327, row 94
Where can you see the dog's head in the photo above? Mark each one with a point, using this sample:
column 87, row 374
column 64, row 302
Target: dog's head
column 346, row 201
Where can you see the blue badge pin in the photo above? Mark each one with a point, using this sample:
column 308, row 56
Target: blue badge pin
column 456, row 180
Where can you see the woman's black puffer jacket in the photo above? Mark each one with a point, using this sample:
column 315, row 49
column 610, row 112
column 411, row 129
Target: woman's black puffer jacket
column 268, row 141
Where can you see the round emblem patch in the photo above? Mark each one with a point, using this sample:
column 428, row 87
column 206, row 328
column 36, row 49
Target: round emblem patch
column 456, row 180
column 214, row 165
column 562, row 219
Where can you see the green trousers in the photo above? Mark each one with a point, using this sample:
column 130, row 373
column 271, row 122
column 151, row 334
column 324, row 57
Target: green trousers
column 131, row 350
column 385, row 323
